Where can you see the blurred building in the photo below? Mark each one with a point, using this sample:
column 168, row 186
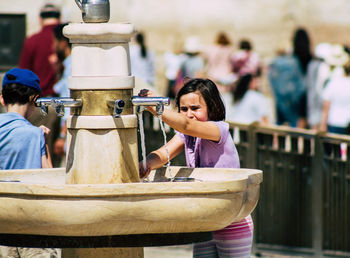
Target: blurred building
column 266, row 23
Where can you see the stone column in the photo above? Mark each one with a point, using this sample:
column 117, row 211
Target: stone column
column 101, row 149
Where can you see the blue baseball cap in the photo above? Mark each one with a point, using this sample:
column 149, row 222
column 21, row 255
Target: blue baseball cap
column 23, row 77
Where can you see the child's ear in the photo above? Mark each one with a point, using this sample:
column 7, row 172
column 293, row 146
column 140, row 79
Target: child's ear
column 2, row 101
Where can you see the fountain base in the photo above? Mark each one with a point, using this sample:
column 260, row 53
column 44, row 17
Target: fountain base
column 140, row 240
column 38, row 209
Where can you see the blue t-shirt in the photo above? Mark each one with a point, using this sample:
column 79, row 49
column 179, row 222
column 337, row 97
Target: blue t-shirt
column 206, row 153
column 21, row 144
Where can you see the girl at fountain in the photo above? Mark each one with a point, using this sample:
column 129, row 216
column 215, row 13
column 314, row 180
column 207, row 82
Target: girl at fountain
column 206, row 140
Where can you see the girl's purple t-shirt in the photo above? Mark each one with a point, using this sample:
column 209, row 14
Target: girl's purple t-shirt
column 206, row 153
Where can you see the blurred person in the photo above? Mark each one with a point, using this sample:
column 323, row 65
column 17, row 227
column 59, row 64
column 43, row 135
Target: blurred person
column 218, row 62
column 315, row 82
column 38, row 48
column 62, row 48
column 286, row 74
column 324, row 66
column 36, row 54
column 336, row 104
column 219, row 68
column 246, row 61
column 142, row 60
column 249, row 104
column 302, row 51
column 172, row 62
column 192, row 64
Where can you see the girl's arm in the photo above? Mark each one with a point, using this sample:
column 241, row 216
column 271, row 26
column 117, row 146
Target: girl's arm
column 205, row 130
column 158, row 158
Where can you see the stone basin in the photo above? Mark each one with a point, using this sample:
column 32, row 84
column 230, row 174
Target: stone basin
column 38, row 202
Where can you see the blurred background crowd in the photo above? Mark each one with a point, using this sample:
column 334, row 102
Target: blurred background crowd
column 305, row 87
column 276, row 62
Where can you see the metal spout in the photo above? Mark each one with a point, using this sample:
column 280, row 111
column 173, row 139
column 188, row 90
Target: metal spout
column 117, row 105
column 80, row 5
column 44, row 104
column 159, row 102
column 57, row 103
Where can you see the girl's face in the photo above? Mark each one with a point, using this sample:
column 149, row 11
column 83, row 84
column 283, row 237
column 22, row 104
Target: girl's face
column 193, row 106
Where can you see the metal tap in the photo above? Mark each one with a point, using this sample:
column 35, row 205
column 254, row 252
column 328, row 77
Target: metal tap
column 159, row 102
column 57, row 103
column 117, row 105
column 44, row 104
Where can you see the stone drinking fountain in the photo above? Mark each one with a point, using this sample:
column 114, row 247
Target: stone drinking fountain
column 96, row 206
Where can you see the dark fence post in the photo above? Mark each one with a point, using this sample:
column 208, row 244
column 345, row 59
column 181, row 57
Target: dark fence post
column 317, row 197
column 251, row 163
column 252, row 145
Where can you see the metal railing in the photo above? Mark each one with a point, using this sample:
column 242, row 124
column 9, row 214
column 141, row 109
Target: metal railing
column 304, row 204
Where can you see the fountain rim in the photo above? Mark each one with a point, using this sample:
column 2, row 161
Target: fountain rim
column 222, row 186
column 106, row 209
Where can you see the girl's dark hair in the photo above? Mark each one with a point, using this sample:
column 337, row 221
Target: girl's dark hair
column 301, row 48
column 140, row 40
column 211, row 96
column 242, row 86
column 17, row 93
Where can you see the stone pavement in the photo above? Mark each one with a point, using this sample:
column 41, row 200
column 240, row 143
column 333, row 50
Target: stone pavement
column 185, row 251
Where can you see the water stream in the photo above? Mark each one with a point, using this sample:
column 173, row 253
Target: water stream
column 165, row 145
column 143, row 144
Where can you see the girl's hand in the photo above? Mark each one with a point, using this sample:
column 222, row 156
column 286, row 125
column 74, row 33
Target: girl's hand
column 45, row 129
column 146, row 93
column 144, row 171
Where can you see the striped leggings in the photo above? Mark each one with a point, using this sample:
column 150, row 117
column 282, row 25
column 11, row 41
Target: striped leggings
column 233, row 241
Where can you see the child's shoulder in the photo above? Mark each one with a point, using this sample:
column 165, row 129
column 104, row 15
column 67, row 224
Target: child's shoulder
column 15, row 121
column 13, row 117
column 221, row 124
column 29, row 133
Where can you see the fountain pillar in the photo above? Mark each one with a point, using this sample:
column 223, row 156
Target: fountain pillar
column 102, row 148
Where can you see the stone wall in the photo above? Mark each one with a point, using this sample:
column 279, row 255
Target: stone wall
column 267, row 23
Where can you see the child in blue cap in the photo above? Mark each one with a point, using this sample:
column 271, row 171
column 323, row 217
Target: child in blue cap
column 22, row 145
